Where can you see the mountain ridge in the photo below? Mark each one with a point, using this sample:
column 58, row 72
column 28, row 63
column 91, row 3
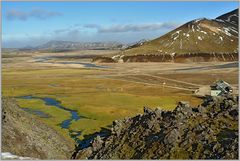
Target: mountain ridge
column 61, row 45
column 197, row 40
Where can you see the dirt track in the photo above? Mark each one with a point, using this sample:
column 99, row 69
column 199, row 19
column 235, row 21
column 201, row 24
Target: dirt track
column 184, row 76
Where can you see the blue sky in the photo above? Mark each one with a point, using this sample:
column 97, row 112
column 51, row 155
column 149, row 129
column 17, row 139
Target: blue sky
column 34, row 23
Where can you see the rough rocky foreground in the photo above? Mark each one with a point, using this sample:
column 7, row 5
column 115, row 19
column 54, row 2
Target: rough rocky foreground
column 209, row 131
column 24, row 135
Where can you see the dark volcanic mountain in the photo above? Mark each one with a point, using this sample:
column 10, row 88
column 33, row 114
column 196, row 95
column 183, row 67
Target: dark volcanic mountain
column 230, row 17
column 209, row 131
column 198, row 40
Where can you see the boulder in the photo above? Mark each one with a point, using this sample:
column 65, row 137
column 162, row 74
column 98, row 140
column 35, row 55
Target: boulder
column 147, row 110
column 172, row 137
column 97, row 143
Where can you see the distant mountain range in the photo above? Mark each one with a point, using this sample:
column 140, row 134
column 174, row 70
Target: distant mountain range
column 68, row 45
column 198, row 40
column 56, row 45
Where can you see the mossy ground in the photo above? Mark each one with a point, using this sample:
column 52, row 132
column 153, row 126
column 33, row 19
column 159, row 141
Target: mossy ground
column 100, row 100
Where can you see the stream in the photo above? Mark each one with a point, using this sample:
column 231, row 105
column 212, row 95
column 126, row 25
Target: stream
column 85, row 64
column 65, row 124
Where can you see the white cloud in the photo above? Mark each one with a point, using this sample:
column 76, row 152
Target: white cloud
column 133, row 27
column 36, row 13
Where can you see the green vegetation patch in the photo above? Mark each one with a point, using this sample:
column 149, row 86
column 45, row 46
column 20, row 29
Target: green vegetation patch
column 57, row 115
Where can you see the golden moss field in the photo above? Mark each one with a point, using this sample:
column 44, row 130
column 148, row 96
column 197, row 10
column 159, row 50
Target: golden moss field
column 102, row 95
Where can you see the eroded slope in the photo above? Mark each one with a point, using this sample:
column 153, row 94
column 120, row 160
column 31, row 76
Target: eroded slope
column 24, row 135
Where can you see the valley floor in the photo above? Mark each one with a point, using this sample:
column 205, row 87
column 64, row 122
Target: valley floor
column 101, row 93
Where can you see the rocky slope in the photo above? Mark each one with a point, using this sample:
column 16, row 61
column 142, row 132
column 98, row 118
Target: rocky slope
column 209, row 131
column 198, row 40
column 23, row 135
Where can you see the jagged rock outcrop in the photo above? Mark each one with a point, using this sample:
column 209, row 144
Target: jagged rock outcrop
column 26, row 136
column 209, row 131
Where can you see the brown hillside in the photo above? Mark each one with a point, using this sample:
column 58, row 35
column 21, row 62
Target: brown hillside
column 198, row 40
